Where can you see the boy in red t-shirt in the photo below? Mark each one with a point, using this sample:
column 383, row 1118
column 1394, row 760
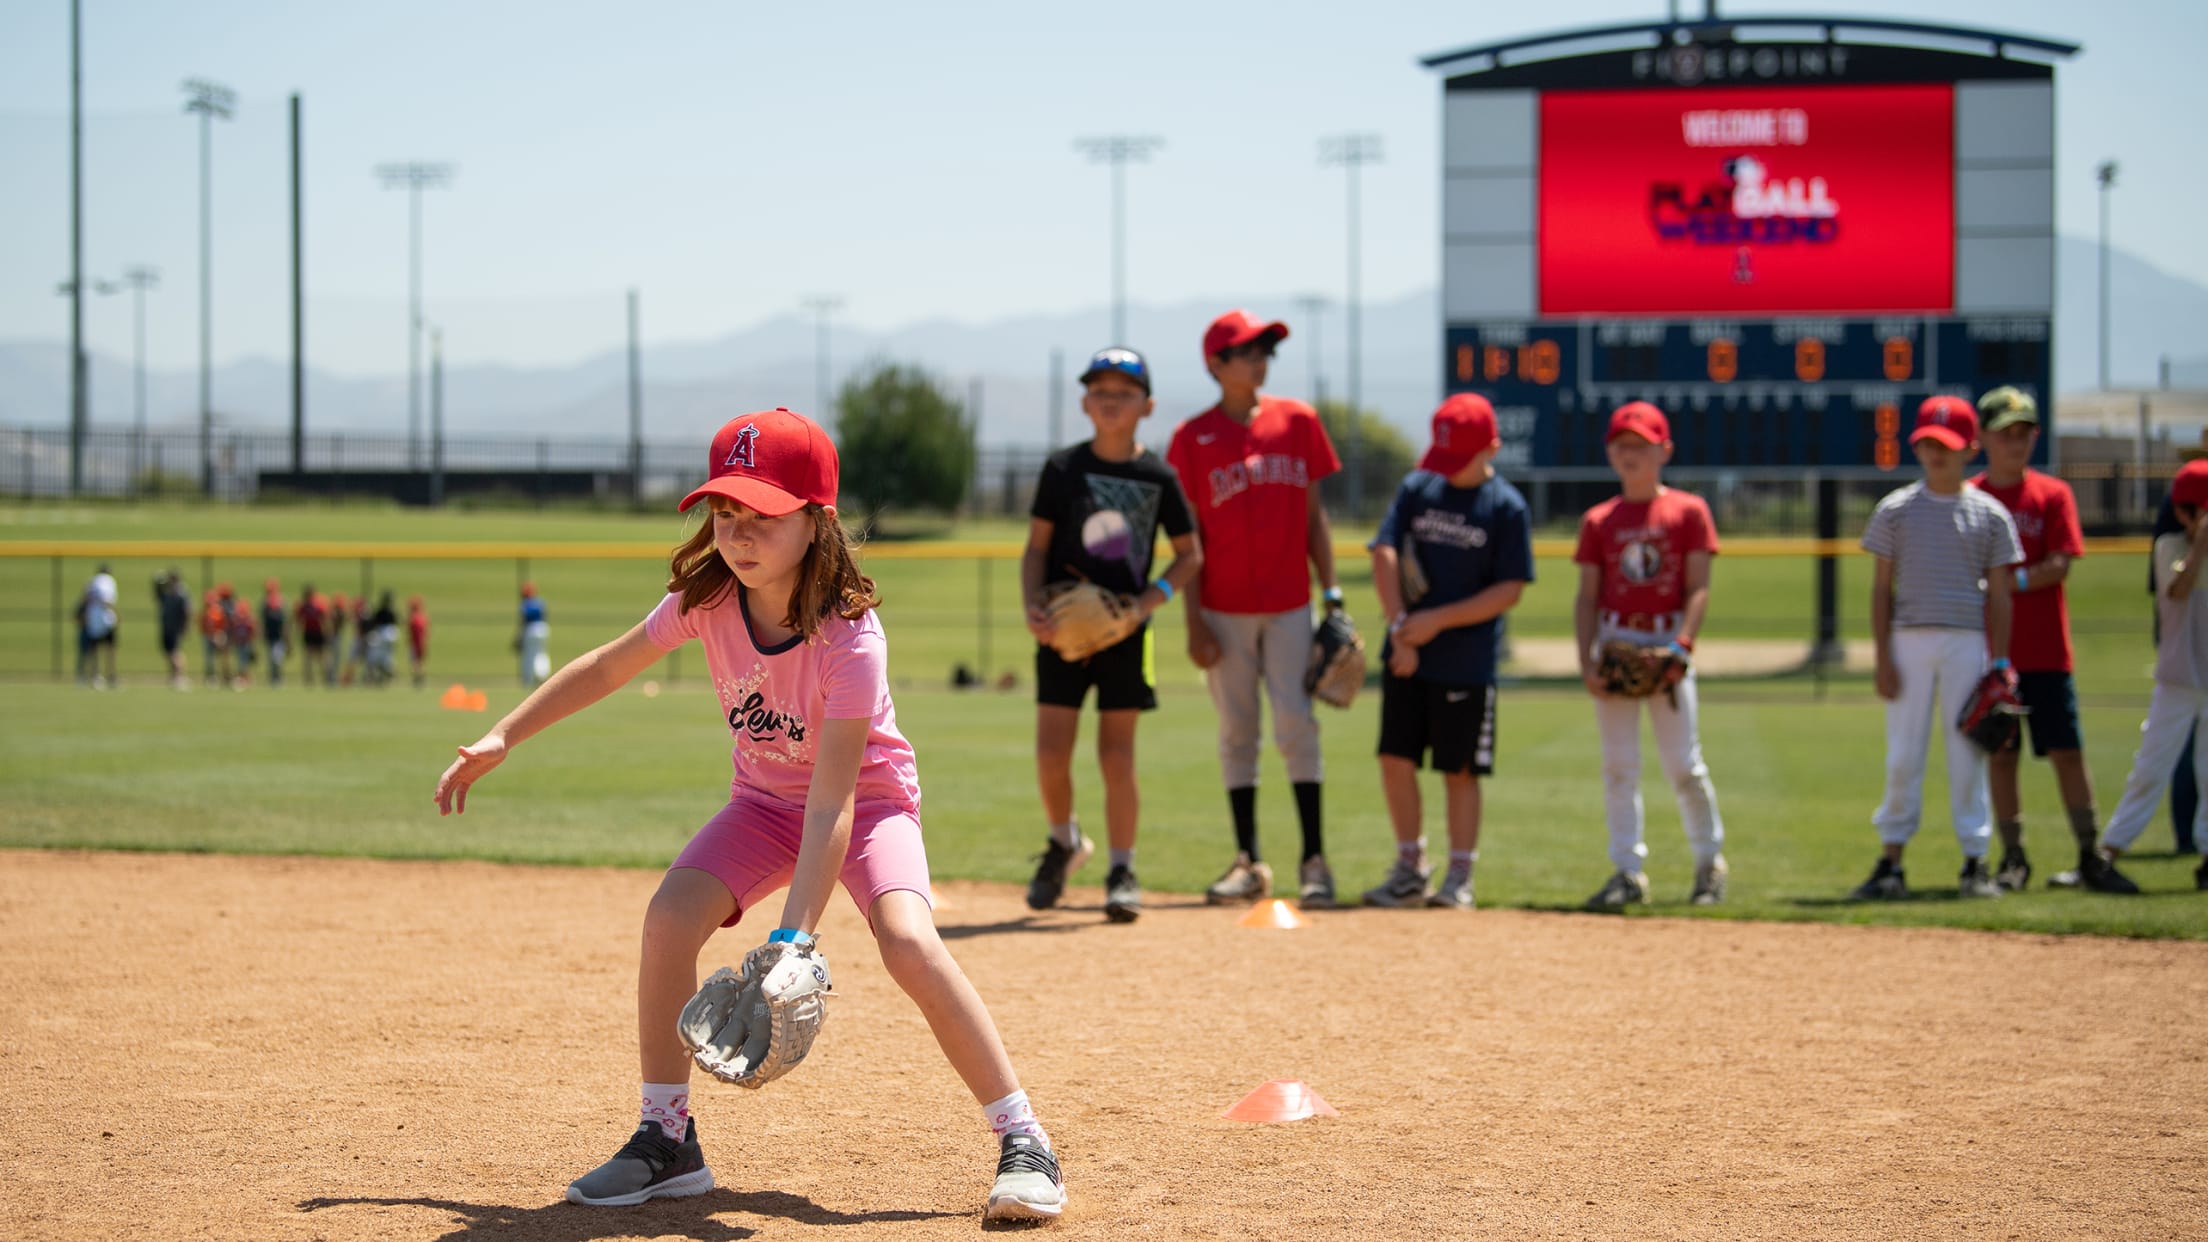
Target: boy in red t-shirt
column 1644, row 578
column 1250, row 467
column 417, row 636
column 2046, row 515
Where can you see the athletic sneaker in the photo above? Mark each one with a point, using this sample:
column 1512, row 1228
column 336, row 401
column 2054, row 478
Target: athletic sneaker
column 649, row 1166
column 1709, row 881
column 1975, row 880
column 2015, row 871
column 1454, row 892
column 1028, row 1185
column 1887, row 883
column 1122, row 895
column 2100, row 874
column 1624, row 888
column 2200, row 877
column 1315, row 884
column 1405, row 886
column 1244, row 880
column 1057, row 862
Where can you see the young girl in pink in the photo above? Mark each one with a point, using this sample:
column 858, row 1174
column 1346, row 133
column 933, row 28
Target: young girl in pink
column 825, row 790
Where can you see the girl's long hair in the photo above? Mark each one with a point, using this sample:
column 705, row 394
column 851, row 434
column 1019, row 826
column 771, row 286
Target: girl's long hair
column 828, row 579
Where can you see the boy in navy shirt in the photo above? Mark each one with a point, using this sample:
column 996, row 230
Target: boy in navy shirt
column 1453, row 554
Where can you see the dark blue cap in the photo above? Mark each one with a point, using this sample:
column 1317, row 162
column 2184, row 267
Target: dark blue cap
column 1121, row 359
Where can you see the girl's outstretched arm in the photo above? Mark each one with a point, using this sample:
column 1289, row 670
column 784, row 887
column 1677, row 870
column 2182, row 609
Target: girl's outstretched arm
column 827, row 821
column 578, row 684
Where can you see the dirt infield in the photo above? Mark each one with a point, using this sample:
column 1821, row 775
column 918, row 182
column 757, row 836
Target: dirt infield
column 302, row 1048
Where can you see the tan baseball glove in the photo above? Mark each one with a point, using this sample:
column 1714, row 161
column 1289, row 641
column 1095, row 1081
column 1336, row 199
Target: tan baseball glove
column 1635, row 671
column 1085, row 618
column 1336, row 669
column 752, row 1026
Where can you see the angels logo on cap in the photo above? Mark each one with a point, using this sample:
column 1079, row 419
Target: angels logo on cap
column 1946, row 420
column 772, row 462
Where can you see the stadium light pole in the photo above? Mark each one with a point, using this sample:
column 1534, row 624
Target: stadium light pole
column 137, row 279
column 211, row 101
column 1313, row 305
column 79, row 401
column 414, row 176
column 1118, row 150
column 2106, row 172
column 822, row 307
column 1353, row 152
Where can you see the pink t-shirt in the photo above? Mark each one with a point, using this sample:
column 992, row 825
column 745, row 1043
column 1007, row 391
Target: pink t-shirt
column 775, row 699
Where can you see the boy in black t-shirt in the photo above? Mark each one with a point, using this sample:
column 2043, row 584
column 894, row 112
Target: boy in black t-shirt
column 1096, row 516
column 1451, row 557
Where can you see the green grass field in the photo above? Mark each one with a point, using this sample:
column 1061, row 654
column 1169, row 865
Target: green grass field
column 301, row 771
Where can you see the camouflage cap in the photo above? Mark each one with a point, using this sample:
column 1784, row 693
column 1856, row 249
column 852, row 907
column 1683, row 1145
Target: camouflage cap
column 2005, row 405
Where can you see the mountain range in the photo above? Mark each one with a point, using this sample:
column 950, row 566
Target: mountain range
column 1005, row 362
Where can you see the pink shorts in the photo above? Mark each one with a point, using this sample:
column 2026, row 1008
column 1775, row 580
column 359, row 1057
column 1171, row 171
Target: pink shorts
column 751, row 846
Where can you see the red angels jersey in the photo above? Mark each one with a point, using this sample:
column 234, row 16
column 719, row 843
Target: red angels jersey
column 1250, row 489
column 2046, row 514
column 1642, row 547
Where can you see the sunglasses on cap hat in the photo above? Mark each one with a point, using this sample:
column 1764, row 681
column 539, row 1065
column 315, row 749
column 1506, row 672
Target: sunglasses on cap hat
column 1120, row 360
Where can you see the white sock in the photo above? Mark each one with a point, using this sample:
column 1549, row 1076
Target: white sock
column 1067, row 834
column 1123, row 858
column 1014, row 1115
column 668, row 1103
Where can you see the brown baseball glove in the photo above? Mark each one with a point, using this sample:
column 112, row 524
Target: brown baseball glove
column 1335, row 670
column 1635, row 671
column 1085, row 618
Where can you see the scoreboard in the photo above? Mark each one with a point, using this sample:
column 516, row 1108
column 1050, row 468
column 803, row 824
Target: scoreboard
column 1785, row 244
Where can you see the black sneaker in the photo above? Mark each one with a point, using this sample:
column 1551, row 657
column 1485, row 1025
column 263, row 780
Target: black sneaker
column 1975, row 880
column 2015, row 872
column 1028, row 1185
column 2200, row 877
column 2100, row 874
column 1122, row 895
column 1051, row 869
column 649, row 1166
column 1887, row 883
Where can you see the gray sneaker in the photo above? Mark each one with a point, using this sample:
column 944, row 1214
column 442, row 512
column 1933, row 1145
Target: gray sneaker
column 1244, row 880
column 1315, row 884
column 1405, row 886
column 1624, row 888
column 1454, row 892
column 1887, row 883
column 1122, row 895
column 1029, row 1185
column 1975, row 880
column 649, row 1166
column 1709, row 881
column 2015, row 872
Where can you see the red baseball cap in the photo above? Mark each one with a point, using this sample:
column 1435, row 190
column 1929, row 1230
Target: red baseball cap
column 2190, row 487
column 1464, row 427
column 1950, row 420
column 774, row 462
column 1237, row 328
column 1641, row 419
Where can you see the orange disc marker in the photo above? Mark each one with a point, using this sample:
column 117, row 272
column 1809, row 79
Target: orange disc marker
column 478, row 701
column 455, row 697
column 1282, row 1099
column 1276, row 914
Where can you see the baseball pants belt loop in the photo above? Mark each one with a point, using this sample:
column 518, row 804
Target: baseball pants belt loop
column 1642, row 622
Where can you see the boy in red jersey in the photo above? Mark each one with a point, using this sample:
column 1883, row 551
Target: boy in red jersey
column 2046, row 516
column 1644, row 577
column 1250, row 467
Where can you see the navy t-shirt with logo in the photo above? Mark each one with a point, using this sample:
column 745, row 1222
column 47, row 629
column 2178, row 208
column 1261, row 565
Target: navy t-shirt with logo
column 1461, row 541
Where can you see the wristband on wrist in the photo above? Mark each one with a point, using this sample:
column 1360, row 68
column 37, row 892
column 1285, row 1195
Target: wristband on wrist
column 1332, row 595
column 1164, row 588
column 2001, row 664
column 2023, row 578
column 790, row 935
column 1683, row 649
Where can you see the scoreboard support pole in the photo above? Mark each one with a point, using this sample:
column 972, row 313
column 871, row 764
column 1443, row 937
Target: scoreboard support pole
column 1827, row 654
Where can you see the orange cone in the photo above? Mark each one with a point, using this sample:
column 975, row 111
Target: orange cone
column 1282, row 1099
column 455, row 698
column 478, row 701
column 1275, row 914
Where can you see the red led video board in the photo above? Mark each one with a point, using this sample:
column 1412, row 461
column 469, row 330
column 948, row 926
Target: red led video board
column 1746, row 201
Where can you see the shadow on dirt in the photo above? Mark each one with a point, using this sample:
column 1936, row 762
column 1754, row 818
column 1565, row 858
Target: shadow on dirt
column 693, row 1217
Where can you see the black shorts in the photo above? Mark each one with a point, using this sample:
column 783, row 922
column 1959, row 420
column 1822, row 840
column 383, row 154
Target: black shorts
column 2051, row 699
column 1124, row 675
column 1456, row 723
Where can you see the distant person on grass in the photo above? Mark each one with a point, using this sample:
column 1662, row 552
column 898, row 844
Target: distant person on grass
column 97, row 623
column 1453, row 554
column 825, row 787
column 417, row 638
column 214, row 638
column 1097, row 511
column 312, row 617
column 341, row 615
column 174, row 603
column 533, row 637
column 273, row 616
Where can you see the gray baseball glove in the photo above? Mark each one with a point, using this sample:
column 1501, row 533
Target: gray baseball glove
column 752, row 1026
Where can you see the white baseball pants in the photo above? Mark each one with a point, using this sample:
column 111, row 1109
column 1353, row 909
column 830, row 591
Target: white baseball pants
column 1272, row 648
column 2171, row 715
column 1938, row 670
column 1678, row 751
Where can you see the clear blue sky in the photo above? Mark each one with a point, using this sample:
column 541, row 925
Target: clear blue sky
column 916, row 160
